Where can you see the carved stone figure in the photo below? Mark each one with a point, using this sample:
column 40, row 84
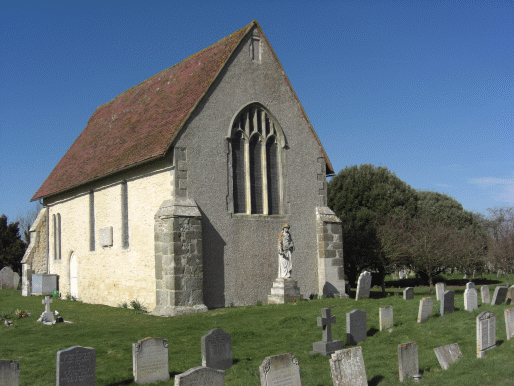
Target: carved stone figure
column 285, row 250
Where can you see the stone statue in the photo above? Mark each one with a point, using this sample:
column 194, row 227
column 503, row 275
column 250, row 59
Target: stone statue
column 285, row 250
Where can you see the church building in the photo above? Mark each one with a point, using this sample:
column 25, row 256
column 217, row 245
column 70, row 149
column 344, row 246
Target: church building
column 177, row 190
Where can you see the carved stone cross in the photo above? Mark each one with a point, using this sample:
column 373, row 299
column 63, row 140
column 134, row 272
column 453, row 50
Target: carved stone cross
column 326, row 322
column 47, row 302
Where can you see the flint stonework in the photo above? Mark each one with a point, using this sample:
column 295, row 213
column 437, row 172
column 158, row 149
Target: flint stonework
column 446, row 355
column 217, row 350
column 347, row 368
column 486, row 333
column 76, row 366
column 425, row 309
column 385, row 317
column 280, row 370
column 356, row 327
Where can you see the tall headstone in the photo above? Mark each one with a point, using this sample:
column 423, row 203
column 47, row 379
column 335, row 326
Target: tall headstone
column 385, row 317
column 470, row 299
column 500, row 293
column 347, row 368
column 439, row 290
column 16, row 280
column 9, row 372
column 217, row 350
column 446, row 355
column 470, row 285
column 425, row 309
column 280, row 370
column 356, row 329
column 150, row 360
column 447, row 302
column 509, row 322
column 509, row 298
column 363, row 285
column 76, row 366
column 327, row 346
column 486, row 333
column 408, row 293
column 6, row 278
column 200, row 376
column 486, row 294
column 408, row 361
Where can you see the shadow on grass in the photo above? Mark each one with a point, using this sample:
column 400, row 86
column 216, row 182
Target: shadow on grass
column 371, row 332
column 236, row 360
column 131, row 380
column 375, row 380
column 499, row 343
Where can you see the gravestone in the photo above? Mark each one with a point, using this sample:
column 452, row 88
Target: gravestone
column 446, row 355
column 470, row 285
column 509, row 298
column 347, row 368
column 470, row 299
column 486, row 333
column 408, row 293
column 500, row 293
column 327, row 346
column 6, row 278
column 76, row 366
column 217, row 350
column 200, row 375
column 509, row 322
column 425, row 309
column 47, row 315
column 486, row 294
column 16, row 280
column 363, row 285
column 150, row 360
column 44, row 284
column 385, row 317
column 355, row 327
column 9, row 372
column 447, row 302
column 280, row 370
column 439, row 290
column 408, row 361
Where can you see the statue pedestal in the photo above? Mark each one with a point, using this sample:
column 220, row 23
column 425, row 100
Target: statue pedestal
column 284, row 291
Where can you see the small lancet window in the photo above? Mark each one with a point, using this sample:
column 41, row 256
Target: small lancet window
column 255, row 49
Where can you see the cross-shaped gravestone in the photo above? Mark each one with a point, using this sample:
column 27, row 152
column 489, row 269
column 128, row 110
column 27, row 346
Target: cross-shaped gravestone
column 47, row 316
column 47, row 302
column 327, row 346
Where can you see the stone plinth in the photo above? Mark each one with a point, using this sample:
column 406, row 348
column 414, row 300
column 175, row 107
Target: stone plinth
column 284, row 291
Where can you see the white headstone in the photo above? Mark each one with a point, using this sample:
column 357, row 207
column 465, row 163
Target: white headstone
column 470, row 299
column 425, row 309
column 356, row 327
column 6, row 278
column 217, row 350
column 446, row 355
column 363, row 285
column 150, row 360
column 486, row 294
column 470, row 285
column 509, row 322
column 200, row 376
column 385, row 317
column 408, row 360
column 447, row 302
column 439, row 290
column 486, row 333
column 408, row 293
column 347, row 368
column 280, row 370
column 76, row 366
column 47, row 316
column 9, row 372
column 500, row 293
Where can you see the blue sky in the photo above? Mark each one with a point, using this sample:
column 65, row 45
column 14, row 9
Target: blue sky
column 424, row 88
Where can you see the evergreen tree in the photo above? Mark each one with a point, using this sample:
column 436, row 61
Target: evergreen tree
column 12, row 247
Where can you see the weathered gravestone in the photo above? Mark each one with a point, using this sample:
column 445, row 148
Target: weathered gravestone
column 486, row 294
column 327, row 346
column 486, row 333
column 470, row 299
column 385, row 317
column 356, row 329
column 150, row 360
column 47, row 316
column 280, row 370
column 447, row 302
column 217, row 350
column 509, row 298
column 509, row 322
column 425, row 309
column 470, row 285
column 6, row 278
column 16, row 280
column 200, row 376
column 347, row 368
column 500, row 293
column 76, row 366
column 439, row 290
column 446, row 355
column 9, row 372
column 363, row 285
column 408, row 361
column 408, row 293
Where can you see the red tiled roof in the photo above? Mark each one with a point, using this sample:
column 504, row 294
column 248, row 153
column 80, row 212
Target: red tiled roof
column 140, row 124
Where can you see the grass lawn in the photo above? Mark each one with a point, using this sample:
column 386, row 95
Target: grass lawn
column 258, row 332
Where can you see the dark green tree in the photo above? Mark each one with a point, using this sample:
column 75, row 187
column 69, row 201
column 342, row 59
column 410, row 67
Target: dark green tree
column 12, row 247
column 359, row 195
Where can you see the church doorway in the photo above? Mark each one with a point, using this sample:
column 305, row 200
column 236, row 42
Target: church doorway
column 74, row 288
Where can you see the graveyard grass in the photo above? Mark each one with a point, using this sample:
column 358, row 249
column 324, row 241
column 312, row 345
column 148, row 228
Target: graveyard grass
column 257, row 332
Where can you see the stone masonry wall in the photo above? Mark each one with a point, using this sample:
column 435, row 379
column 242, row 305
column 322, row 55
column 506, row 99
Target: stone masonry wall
column 35, row 259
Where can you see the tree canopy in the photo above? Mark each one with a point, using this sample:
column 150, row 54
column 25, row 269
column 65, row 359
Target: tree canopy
column 12, row 247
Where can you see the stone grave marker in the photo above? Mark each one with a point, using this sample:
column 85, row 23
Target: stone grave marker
column 280, row 370
column 470, row 299
column 509, row 322
column 200, row 375
column 327, row 346
column 47, row 315
column 356, row 329
column 500, row 293
column 446, row 355
column 385, row 317
column 425, row 309
column 470, row 285
column 439, row 290
column 486, row 333
column 448, row 302
column 408, row 361
column 76, row 366
column 9, row 372
column 6, row 278
column 509, row 298
column 408, row 293
column 486, row 294
column 150, row 360
column 16, row 280
column 217, row 350
column 363, row 285
column 347, row 368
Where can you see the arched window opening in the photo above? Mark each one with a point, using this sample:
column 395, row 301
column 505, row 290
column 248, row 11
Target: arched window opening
column 238, row 172
column 272, row 175
column 256, row 174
